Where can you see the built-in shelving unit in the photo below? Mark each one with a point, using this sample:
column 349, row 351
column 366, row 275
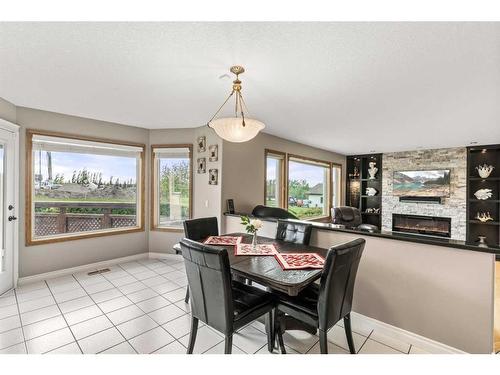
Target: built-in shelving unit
column 358, row 181
column 476, row 156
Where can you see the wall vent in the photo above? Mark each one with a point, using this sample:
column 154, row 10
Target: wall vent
column 98, row 272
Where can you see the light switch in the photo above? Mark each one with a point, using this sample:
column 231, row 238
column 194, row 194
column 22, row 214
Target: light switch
column 206, row 203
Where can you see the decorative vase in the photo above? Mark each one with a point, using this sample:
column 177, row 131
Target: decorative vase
column 485, row 170
column 482, row 241
column 254, row 240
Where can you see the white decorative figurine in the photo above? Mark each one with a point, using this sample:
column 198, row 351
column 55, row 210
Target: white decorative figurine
column 484, row 217
column 372, row 171
column 371, row 192
column 483, row 194
column 485, row 170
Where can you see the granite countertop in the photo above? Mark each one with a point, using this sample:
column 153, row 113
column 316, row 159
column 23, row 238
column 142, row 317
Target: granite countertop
column 417, row 238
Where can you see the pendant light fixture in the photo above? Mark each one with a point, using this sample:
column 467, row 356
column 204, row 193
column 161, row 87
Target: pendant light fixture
column 239, row 128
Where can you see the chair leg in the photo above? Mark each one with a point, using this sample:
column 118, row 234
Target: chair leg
column 270, row 331
column 186, row 299
column 323, row 343
column 280, row 340
column 228, row 344
column 348, row 333
column 192, row 335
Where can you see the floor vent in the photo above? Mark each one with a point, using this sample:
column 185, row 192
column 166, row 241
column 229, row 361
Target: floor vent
column 98, row 272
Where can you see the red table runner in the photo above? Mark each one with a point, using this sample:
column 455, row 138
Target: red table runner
column 223, row 240
column 299, row 261
column 248, row 249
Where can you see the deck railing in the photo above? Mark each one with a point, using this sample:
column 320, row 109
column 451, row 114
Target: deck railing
column 65, row 221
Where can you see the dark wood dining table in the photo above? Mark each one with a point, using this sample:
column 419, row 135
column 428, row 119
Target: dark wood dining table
column 266, row 270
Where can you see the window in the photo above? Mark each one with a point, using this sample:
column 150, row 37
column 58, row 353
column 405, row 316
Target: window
column 274, row 194
column 336, row 185
column 81, row 187
column 308, row 188
column 171, row 186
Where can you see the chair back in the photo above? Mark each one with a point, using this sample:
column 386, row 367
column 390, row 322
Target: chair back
column 272, row 212
column 199, row 229
column 337, row 282
column 298, row 233
column 346, row 215
column 209, row 277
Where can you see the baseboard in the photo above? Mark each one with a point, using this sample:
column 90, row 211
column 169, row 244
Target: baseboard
column 85, row 267
column 429, row 345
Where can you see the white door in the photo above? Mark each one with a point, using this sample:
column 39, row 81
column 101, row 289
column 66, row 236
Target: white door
column 8, row 204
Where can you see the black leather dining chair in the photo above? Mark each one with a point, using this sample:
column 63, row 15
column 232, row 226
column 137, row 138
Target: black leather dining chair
column 217, row 300
column 323, row 305
column 298, row 233
column 197, row 230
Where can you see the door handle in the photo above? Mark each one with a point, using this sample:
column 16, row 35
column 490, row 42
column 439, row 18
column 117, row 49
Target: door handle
column 12, row 218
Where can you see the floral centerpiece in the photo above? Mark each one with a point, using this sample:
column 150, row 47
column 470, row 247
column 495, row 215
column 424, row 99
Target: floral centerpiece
column 251, row 226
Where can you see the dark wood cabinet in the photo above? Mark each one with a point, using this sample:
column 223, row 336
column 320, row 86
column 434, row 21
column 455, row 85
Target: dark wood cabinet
column 478, row 156
column 358, row 181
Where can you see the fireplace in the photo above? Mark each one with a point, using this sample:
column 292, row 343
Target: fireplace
column 428, row 225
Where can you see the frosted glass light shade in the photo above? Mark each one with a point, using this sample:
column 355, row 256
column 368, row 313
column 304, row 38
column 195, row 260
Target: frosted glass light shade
column 231, row 128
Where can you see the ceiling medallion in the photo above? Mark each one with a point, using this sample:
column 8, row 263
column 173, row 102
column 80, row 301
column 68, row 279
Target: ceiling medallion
column 239, row 128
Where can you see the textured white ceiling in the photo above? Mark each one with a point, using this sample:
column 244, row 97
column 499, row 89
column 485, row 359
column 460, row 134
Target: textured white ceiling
column 346, row 87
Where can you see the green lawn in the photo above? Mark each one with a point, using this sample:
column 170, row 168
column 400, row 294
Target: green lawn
column 305, row 212
column 41, row 198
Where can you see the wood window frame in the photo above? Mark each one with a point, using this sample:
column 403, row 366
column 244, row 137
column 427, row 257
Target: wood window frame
column 153, row 222
column 30, row 240
column 282, row 175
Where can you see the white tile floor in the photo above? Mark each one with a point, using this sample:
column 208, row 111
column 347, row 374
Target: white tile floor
column 138, row 307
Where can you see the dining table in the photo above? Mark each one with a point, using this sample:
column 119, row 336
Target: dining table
column 267, row 271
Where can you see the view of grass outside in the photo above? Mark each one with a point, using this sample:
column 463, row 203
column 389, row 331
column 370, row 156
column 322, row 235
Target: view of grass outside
column 173, row 191
column 307, row 189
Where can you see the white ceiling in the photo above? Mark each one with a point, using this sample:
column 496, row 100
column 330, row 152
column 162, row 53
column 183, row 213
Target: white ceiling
column 346, row 87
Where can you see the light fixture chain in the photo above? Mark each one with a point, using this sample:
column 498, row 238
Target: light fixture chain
column 220, row 108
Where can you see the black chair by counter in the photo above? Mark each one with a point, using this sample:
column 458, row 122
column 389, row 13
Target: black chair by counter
column 196, row 230
column 218, row 301
column 298, row 233
column 323, row 305
column 351, row 218
column 261, row 211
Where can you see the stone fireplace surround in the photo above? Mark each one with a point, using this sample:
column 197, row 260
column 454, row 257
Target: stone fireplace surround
column 453, row 207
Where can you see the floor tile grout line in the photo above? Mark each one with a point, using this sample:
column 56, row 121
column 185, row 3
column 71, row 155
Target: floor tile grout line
column 99, row 307
column 20, row 321
column 383, row 343
column 365, row 341
column 67, row 325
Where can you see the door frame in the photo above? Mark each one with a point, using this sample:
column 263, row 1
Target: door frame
column 14, row 129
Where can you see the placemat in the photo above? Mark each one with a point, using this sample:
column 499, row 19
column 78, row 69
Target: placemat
column 248, row 249
column 298, row 261
column 222, row 240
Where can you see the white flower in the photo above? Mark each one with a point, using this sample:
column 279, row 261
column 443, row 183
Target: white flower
column 256, row 223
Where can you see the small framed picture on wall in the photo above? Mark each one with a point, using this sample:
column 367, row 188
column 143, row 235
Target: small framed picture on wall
column 213, row 176
column 202, row 165
column 213, row 153
column 202, row 143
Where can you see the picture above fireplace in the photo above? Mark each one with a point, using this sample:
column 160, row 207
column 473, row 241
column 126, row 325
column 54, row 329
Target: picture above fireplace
column 425, row 183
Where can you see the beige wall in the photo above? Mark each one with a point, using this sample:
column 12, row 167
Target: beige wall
column 7, row 111
column 50, row 257
column 243, row 165
column 206, row 198
column 441, row 293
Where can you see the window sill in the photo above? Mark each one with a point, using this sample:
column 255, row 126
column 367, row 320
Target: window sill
column 81, row 236
column 168, row 229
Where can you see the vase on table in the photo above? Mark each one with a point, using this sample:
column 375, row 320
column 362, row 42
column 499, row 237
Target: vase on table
column 254, row 240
